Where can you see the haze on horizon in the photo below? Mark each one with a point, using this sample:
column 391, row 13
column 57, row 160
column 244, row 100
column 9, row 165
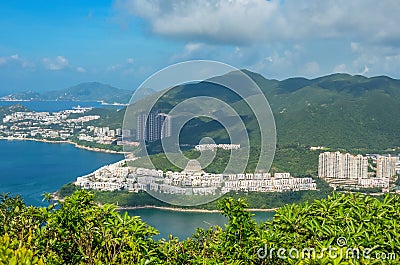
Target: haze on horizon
column 51, row 45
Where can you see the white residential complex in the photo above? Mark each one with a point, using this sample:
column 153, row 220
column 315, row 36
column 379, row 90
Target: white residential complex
column 57, row 125
column 342, row 166
column 203, row 147
column 386, row 166
column 109, row 178
column 190, row 181
column 348, row 171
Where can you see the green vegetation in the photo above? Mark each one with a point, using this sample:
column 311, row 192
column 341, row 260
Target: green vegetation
column 5, row 110
column 270, row 200
column 25, row 95
column 294, row 159
column 336, row 111
column 355, row 113
column 369, row 191
column 110, row 147
column 110, row 117
column 90, row 91
column 78, row 231
column 340, row 112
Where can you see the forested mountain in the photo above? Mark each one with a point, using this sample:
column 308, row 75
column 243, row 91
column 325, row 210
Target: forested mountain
column 337, row 111
column 90, row 91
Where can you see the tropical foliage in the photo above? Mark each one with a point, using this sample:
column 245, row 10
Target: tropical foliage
column 356, row 229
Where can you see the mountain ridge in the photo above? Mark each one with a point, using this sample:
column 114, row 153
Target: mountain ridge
column 336, row 111
column 88, row 91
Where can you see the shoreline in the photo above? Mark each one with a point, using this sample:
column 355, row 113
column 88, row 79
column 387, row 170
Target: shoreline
column 93, row 149
column 56, row 197
column 189, row 210
column 104, row 103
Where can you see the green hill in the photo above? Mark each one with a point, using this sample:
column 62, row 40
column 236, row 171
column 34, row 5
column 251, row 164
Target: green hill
column 339, row 111
column 90, row 91
column 5, row 110
column 25, row 95
column 336, row 111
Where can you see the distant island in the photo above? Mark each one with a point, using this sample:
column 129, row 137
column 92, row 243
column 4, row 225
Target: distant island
column 90, row 91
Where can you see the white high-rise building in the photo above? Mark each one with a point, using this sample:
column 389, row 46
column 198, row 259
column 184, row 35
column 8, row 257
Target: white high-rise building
column 342, row 166
column 153, row 126
column 361, row 166
column 165, row 125
column 385, row 166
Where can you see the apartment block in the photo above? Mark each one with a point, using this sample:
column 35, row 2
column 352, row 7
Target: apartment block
column 153, row 126
column 385, row 166
column 342, row 166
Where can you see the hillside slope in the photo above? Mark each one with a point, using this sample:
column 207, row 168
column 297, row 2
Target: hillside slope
column 90, row 91
column 336, row 111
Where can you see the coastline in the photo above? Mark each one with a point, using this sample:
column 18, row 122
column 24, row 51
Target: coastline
column 56, row 197
column 105, row 103
column 63, row 142
column 194, row 210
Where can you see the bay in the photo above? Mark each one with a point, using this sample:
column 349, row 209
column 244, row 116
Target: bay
column 184, row 224
column 31, row 168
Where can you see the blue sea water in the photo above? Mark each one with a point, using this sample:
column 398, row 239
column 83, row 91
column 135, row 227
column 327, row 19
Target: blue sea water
column 184, row 224
column 32, row 168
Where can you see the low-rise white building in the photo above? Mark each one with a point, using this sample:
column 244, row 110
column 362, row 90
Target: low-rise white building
column 374, row 182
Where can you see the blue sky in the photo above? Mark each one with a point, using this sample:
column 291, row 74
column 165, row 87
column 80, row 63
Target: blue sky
column 49, row 44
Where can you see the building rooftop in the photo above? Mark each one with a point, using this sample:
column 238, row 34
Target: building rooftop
column 193, row 166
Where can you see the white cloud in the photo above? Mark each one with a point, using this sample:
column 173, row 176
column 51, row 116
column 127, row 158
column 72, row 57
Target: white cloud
column 16, row 59
column 373, row 59
column 114, row 67
column 124, row 67
column 192, row 47
column 341, row 68
column 190, row 50
column 3, row 60
column 80, row 69
column 60, row 62
column 311, row 68
column 355, row 46
column 246, row 21
column 274, row 63
column 219, row 21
